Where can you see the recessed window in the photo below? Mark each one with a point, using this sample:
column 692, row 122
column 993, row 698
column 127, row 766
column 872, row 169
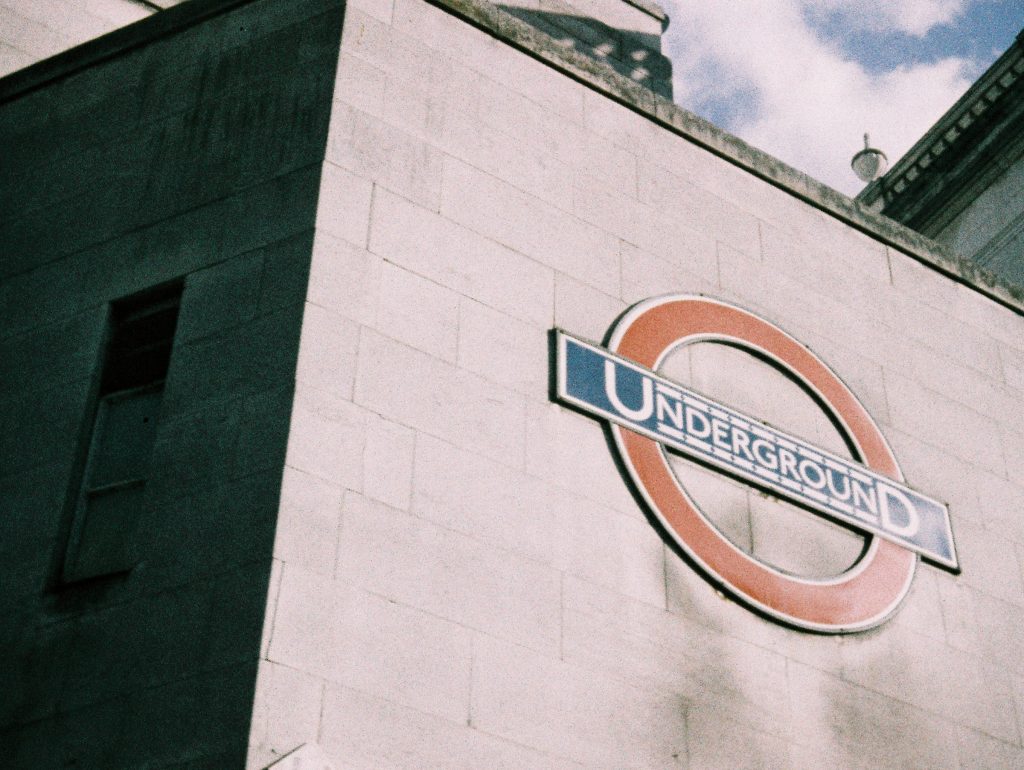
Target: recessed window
column 127, row 411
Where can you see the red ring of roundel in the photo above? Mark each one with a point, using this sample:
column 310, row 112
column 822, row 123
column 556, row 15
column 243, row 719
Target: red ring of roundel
column 863, row 596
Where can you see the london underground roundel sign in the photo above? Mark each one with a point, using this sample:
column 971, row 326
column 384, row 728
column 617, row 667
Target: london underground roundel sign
column 650, row 415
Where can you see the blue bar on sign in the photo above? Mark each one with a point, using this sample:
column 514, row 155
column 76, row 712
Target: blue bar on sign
column 609, row 386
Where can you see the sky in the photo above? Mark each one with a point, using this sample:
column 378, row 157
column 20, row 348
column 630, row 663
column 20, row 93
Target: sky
column 805, row 79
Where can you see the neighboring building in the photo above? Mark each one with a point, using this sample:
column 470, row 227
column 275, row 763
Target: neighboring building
column 963, row 182
column 282, row 468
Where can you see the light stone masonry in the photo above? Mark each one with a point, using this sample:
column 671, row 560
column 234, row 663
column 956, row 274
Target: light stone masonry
column 369, row 528
column 449, row 575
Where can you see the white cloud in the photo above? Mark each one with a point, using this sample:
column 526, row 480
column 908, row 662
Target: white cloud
column 915, row 17
column 794, row 94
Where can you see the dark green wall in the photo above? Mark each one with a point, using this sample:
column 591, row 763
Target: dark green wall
column 193, row 151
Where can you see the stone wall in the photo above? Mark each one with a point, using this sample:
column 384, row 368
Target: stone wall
column 991, row 228
column 369, row 528
column 463, row 579
column 194, row 157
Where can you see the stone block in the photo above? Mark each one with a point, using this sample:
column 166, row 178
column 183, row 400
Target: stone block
column 921, row 610
column 344, row 279
column 66, row 349
column 308, row 522
column 497, row 210
column 988, row 316
column 366, row 733
column 971, row 348
column 841, row 720
column 234, row 361
column 622, row 126
column 718, row 676
column 989, row 562
column 933, row 418
column 234, row 229
column 920, row 283
column 685, row 264
column 1013, row 367
column 286, row 709
column 858, row 271
column 572, row 452
column 797, row 307
column 449, row 575
column 388, row 462
column 32, row 746
column 13, row 59
column 343, row 209
column 946, row 681
column 34, row 677
column 453, row 256
column 511, row 511
column 982, row 625
column 350, row 637
column 981, row 751
column 418, row 312
column 1012, row 444
column 273, row 595
column 237, row 599
column 198, row 447
column 285, row 276
column 506, row 351
column 377, row 151
column 403, row 56
column 573, row 712
column 327, row 437
column 263, row 432
column 360, row 84
column 543, row 130
column 719, row 743
column 417, row 110
column 35, row 36
column 534, row 80
column 327, row 352
column 687, row 202
column 409, row 387
column 190, row 533
column 220, row 297
column 583, row 310
column 208, row 714
column 488, row 148
column 382, row 10
column 93, row 674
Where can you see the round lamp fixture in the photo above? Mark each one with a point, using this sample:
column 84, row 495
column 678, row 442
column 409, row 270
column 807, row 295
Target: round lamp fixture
column 870, row 163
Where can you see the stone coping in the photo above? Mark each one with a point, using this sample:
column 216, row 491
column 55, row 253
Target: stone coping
column 651, row 9
column 595, row 75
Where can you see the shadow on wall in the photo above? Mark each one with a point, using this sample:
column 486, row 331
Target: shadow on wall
column 636, row 55
column 141, row 452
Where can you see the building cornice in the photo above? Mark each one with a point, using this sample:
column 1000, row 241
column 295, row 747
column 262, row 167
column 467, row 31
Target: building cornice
column 969, row 147
column 602, row 79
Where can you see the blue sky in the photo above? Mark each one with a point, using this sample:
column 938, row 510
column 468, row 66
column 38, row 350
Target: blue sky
column 804, row 79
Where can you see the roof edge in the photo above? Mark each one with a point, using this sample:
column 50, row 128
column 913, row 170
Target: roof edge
column 651, row 9
column 593, row 74
column 114, row 43
column 956, row 120
column 601, row 78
